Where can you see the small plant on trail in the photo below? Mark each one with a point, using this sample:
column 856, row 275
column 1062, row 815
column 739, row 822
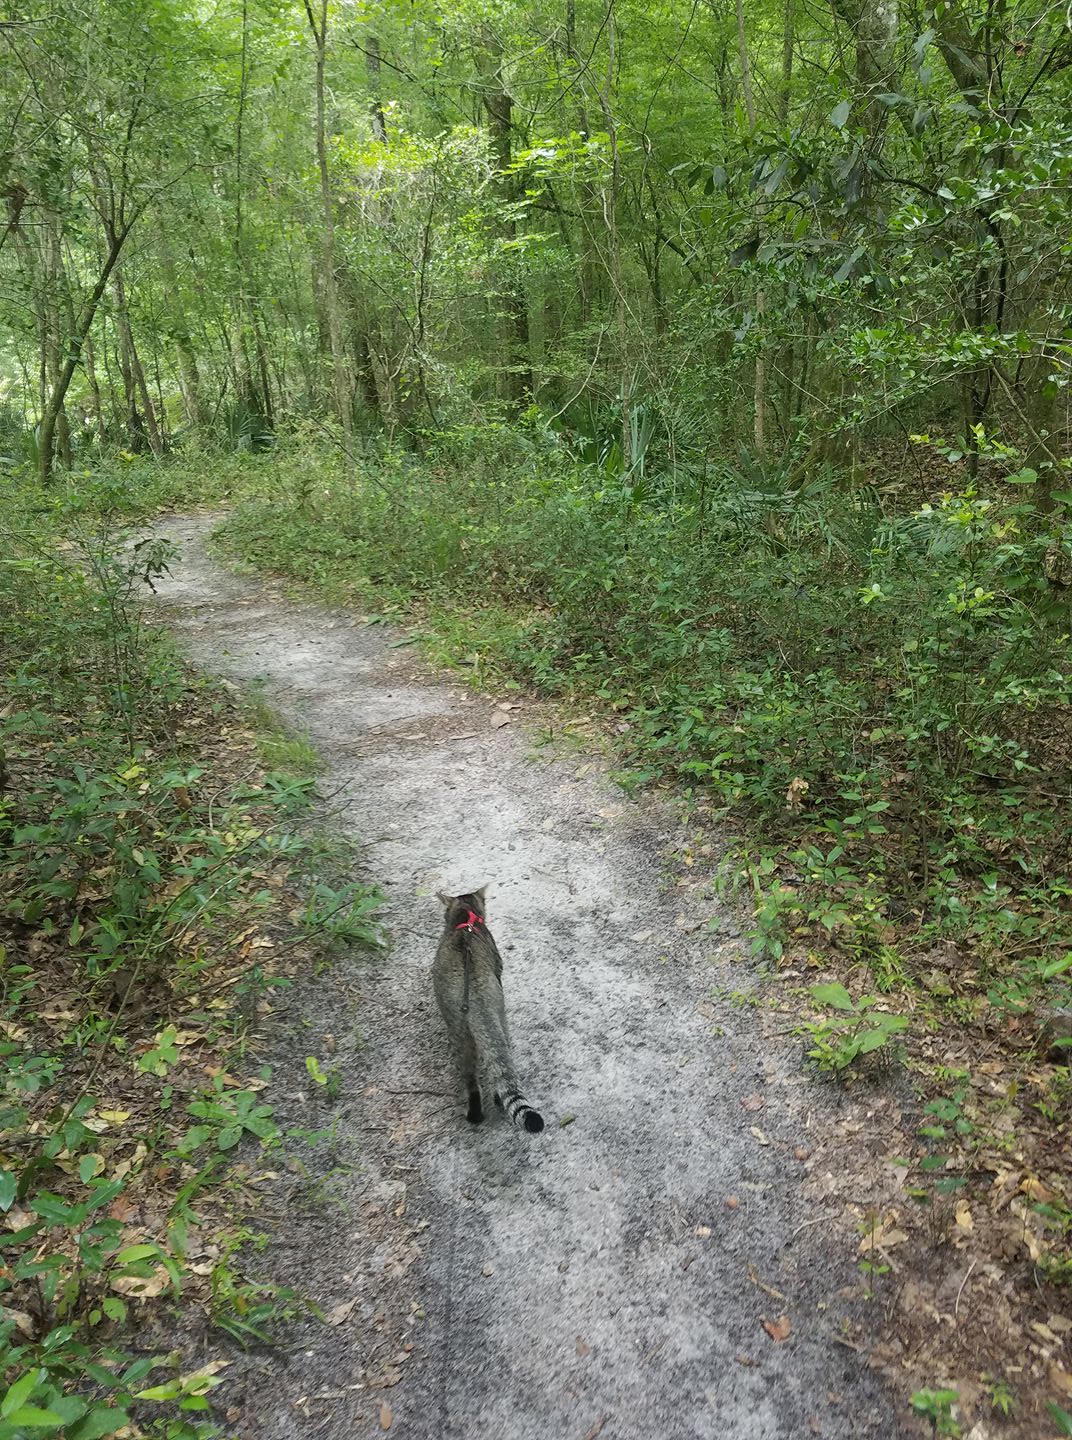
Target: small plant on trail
column 857, row 1028
column 225, row 1116
column 1002, row 1396
column 937, row 1406
column 343, row 916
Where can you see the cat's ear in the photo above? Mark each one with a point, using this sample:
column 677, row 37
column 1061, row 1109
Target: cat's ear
column 481, row 894
column 445, row 900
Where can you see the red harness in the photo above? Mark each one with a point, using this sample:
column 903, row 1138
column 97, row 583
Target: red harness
column 471, row 921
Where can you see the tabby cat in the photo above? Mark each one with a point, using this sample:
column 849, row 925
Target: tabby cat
column 467, row 974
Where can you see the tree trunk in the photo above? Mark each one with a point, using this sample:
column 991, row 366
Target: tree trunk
column 319, row 28
column 189, row 375
column 759, row 386
column 614, row 253
column 372, row 69
column 52, row 410
column 132, row 369
column 498, row 106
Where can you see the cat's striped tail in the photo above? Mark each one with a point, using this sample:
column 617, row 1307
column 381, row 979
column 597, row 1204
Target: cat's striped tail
column 518, row 1111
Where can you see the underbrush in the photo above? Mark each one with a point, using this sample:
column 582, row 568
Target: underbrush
column 881, row 696
column 151, row 864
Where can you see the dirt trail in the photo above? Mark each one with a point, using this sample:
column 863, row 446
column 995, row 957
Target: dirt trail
column 589, row 1281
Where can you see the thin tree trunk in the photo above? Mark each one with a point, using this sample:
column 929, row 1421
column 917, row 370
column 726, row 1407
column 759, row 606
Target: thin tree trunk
column 499, row 107
column 134, row 365
column 94, row 390
column 116, row 241
column 372, row 69
column 319, row 28
column 189, row 375
column 614, row 249
column 788, row 38
column 759, row 388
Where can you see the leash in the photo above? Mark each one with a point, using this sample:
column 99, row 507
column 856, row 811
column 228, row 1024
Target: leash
column 469, row 924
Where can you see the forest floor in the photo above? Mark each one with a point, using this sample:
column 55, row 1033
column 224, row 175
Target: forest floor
column 656, row 1261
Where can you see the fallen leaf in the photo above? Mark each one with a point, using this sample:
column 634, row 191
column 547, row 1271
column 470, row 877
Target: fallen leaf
column 702, row 1232
column 566, row 1120
column 341, row 1312
column 794, row 796
column 582, row 1348
column 1034, row 1189
column 23, row 1323
column 114, row 1117
column 879, row 1238
column 743, row 1359
column 142, row 1287
column 205, row 1372
column 753, row 1102
column 778, row 1329
column 498, row 720
column 963, row 1216
column 1061, row 1379
column 596, row 1428
column 386, row 1416
column 759, row 1135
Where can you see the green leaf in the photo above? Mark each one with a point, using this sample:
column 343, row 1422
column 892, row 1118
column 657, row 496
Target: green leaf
column 840, row 114
column 1061, row 1418
column 229, row 1137
column 133, row 1253
column 8, row 1188
column 834, row 995
column 87, row 1168
column 35, row 1418
column 19, row 1393
column 170, row 1390
column 872, row 1040
column 99, row 1422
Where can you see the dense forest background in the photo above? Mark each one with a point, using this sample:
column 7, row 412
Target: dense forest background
column 678, row 230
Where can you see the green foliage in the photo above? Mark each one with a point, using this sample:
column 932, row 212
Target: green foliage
column 125, row 865
column 937, row 1406
column 1002, row 1396
column 1060, row 1417
column 907, row 763
column 857, row 1028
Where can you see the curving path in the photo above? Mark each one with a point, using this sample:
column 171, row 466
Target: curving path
column 592, row 1281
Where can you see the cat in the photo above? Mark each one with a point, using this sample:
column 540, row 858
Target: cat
column 467, row 975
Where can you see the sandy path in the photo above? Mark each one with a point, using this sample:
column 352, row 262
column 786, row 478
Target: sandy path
column 588, row 1281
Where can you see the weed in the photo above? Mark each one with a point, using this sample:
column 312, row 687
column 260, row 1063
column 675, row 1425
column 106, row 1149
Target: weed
column 937, row 1406
column 1002, row 1396
column 858, row 1028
